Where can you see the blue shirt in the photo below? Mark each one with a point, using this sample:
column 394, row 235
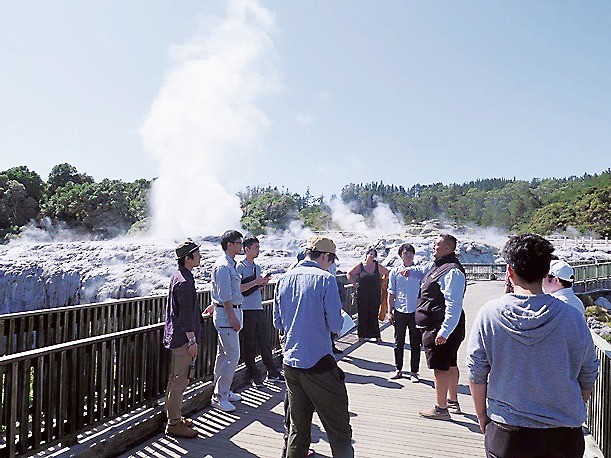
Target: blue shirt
column 405, row 289
column 225, row 282
column 307, row 308
column 452, row 286
column 253, row 300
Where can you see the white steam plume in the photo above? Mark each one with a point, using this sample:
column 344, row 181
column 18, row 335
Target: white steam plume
column 383, row 222
column 204, row 124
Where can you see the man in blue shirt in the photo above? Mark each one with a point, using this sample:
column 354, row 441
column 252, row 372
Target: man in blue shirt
column 306, row 309
column 227, row 318
column 402, row 300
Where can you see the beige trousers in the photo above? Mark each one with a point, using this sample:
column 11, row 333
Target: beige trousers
column 177, row 383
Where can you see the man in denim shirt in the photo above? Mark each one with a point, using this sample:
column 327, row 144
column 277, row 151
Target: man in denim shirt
column 227, row 319
column 402, row 299
column 306, row 309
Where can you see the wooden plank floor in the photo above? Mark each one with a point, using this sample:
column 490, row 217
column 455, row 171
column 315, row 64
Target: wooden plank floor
column 384, row 412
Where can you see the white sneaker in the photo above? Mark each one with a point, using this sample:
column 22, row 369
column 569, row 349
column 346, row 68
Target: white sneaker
column 223, row 405
column 234, row 397
column 415, row 378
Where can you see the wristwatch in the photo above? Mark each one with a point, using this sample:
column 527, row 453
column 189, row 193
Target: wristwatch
column 192, row 340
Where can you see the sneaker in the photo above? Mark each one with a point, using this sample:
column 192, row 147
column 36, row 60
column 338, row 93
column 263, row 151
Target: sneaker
column 395, row 375
column 454, row 406
column 256, row 382
column 275, row 378
column 180, row 430
column 436, row 413
column 379, row 340
column 414, row 377
column 337, row 351
column 234, row 397
column 223, row 405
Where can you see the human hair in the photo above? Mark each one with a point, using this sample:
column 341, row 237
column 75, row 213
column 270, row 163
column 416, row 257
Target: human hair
column 564, row 283
column 450, row 240
column 371, row 250
column 229, row 237
column 529, row 256
column 181, row 261
column 314, row 255
column 406, row 247
column 249, row 241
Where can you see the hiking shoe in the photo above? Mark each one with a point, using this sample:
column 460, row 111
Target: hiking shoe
column 275, row 378
column 395, row 375
column 180, row 430
column 223, row 405
column 436, row 413
column 454, row 406
column 188, row 422
column 234, row 397
column 414, row 377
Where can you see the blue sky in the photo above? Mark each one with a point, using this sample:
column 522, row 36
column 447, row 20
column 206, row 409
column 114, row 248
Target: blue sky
column 399, row 91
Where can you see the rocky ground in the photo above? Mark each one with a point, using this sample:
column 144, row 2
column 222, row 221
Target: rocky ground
column 43, row 274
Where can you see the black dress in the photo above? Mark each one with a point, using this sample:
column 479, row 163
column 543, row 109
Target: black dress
column 369, row 296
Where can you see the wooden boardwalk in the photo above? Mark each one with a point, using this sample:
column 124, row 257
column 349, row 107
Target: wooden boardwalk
column 384, row 412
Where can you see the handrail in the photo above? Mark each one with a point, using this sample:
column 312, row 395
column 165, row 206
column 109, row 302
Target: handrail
column 599, row 405
column 35, row 329
column 49, row 395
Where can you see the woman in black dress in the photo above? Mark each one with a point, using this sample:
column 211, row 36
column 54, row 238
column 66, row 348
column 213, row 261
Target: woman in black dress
column 366, row 277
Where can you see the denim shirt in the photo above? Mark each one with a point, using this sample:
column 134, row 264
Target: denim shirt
column 307, row 308
column 225, row 282
column 405, row 289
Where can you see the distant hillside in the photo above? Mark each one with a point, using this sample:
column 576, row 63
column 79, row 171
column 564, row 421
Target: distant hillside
column 541, row 206
column 111, row 207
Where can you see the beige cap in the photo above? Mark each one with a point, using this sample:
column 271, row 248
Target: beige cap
column 322, row 244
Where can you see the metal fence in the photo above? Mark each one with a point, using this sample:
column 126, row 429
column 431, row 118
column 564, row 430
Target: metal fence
column 599, row 406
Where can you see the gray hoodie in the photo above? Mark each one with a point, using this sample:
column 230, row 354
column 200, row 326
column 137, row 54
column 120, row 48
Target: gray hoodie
column 536, row 355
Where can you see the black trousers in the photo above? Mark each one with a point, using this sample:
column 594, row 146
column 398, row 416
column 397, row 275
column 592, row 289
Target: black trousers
column 403, row 322
column 255, row 331
column 326, row 394
column 505, row 441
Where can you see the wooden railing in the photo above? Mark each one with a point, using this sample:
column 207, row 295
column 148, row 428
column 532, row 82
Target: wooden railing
column 41, row 328
column 69, row 383
column 51, row 394
column 599, row 406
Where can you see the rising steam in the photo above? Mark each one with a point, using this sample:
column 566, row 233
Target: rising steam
column 204, row 123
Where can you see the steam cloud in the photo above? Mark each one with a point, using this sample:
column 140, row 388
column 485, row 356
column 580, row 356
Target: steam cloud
column 204, row 124
column 383, row 222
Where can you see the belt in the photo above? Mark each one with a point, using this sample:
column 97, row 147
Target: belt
column 235, row 306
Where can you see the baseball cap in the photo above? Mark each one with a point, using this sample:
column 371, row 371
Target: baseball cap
column 561, row 270
column 186, row 248
column 322, row 244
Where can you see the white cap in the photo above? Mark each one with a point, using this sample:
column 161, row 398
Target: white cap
column 561, row 270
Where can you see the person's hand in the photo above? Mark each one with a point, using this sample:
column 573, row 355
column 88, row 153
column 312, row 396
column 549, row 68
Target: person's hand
column 235, row 323
column 208, row 311
column 483, row 422
column 391, row 317
column 439, row 340
column 263, row 280
column 192, row 350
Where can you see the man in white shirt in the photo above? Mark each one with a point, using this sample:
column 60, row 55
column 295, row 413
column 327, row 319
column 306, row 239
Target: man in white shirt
column 559, row 283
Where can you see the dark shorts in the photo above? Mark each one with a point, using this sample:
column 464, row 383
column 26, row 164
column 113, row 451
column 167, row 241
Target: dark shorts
column 504, row 441
column 442, row 357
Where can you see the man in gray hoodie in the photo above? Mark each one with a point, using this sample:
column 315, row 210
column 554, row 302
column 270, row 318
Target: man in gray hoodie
column 532, row 359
